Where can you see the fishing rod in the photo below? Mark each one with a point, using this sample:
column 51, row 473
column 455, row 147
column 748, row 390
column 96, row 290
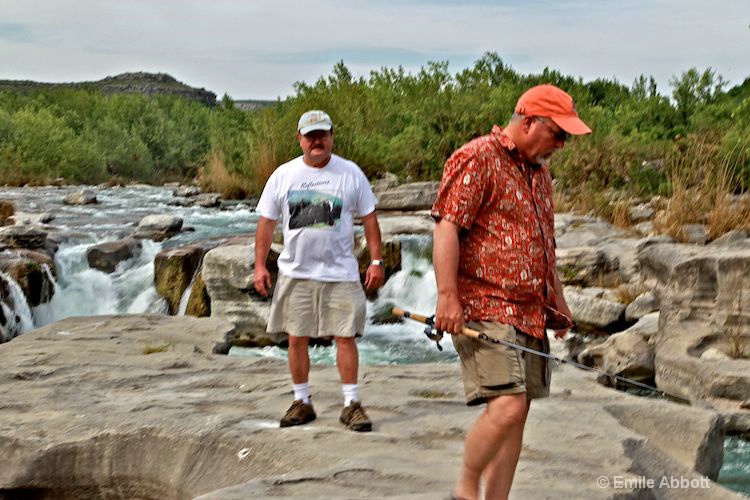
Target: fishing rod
column 437, row 335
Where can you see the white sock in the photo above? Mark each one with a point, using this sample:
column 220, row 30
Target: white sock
column 302, row 391
column 350, row 393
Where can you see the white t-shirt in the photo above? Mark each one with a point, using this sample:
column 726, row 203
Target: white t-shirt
column 318, row 206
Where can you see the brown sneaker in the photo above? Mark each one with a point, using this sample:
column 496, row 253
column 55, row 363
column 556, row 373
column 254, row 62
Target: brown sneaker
column 297, row 414
column 355, row 418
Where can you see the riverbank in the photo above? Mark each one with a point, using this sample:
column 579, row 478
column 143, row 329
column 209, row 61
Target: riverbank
column 139, row 405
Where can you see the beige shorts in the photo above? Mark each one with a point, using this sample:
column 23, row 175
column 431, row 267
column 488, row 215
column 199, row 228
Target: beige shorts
column 317, row 309
column 491, row 370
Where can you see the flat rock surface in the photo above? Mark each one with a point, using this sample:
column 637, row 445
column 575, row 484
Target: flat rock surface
column 139, row 407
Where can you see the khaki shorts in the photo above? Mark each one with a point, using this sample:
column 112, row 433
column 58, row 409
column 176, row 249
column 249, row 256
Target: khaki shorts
column 317, row 309
column 491, row 370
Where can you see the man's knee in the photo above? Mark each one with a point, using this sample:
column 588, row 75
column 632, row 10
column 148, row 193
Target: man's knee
column 298, row 342
column 509, row 409
column 345, row 341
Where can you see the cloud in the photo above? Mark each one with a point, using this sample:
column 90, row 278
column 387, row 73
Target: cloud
column 15, row 32
column 259, row 49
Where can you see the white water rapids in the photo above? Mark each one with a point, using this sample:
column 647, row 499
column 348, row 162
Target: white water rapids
column 82, row 291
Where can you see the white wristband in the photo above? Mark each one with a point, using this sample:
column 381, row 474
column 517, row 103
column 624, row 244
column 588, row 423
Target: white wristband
column 376, row 262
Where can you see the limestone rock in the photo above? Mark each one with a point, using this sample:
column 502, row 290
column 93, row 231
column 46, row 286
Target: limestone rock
column 641, row 213
column 591, row 313
column 84, row 197
column 158, row 227
column 207, row 200
column 174, row 269
column 138, row 407
column 412, row 196
column 187, row 191
column 7, row 209
column 30, row 276
column 644, row 304
column 106, row 256
column 704, row 298
column 199, row 303
column 694, row 233
column 28, row 237
column 391, row 225
column 228, row 274
column 735, row 238
column 627, row 354
column 35, row 219
column 585, row 266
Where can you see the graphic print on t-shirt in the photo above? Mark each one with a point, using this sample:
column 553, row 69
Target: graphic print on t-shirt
column 314, row 209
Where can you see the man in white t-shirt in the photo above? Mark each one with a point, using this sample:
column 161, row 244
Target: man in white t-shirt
column 318, row 293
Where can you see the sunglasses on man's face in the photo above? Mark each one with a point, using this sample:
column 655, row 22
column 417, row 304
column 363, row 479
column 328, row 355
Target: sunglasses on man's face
column 558, row 133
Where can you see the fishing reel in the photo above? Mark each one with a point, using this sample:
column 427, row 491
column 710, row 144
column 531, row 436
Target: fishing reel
column 433, row 333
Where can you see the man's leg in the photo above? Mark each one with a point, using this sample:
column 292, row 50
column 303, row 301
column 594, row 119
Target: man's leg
column 498, row 475
column 492, row 447
column 299, row 359
column 347, row 359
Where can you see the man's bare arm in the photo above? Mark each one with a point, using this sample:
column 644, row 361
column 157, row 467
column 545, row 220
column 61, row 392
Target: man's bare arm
column 375, row 276
column 263, row 238
column 449, row 315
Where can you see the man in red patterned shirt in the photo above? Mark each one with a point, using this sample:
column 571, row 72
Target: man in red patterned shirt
column 494, row 257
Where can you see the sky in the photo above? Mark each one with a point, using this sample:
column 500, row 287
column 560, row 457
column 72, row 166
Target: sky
column 258, row 49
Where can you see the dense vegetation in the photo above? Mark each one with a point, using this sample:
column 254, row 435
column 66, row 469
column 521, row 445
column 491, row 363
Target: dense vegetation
column 644, row 143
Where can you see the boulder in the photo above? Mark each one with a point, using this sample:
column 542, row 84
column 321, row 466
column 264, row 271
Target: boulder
column 412, row 196
column 694, row 233
column 627, row 354
column 644, row 304
column 735, row 238
column 586, row 266
column 641, row 213
column 228, row 274
column 174, row 269
column 84, row 197
column 594, row 314
column 6, row 213
column 392, row 225
column 106, row 256
column 158, row 227
column 27, row 237
column 34, row 282
column 27, row 218
column 704, row 297
column 207, row 200
column 187, row 191
column 199, row 303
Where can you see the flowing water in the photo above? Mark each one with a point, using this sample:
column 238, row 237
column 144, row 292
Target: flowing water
column 82, row 291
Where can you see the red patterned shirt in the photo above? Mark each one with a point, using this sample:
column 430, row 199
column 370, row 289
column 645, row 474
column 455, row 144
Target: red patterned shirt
column 503, row 208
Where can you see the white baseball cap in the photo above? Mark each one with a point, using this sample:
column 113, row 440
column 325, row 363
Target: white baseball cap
column 314, row 120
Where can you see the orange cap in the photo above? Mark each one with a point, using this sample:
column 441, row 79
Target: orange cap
column 555, row 104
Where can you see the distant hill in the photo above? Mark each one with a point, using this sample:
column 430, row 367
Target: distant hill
column 252, row 104
column 126, row 83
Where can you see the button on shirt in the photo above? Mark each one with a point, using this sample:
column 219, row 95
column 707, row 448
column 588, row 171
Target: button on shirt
column 503, row 208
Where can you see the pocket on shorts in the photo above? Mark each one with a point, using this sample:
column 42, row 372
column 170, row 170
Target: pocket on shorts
column 497, row 364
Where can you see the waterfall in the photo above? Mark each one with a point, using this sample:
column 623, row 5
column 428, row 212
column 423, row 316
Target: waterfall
column 82, row 291
column 18, row 318
column 186, row 295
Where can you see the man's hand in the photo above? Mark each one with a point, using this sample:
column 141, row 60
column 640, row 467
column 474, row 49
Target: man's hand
column 262, row 280
column 374, row 278
column 449, row 315
column 561, row 334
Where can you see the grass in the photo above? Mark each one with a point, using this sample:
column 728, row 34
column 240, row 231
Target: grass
column 151, row 348
column 430, row 394
column 214, row 177
column 627, row 293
